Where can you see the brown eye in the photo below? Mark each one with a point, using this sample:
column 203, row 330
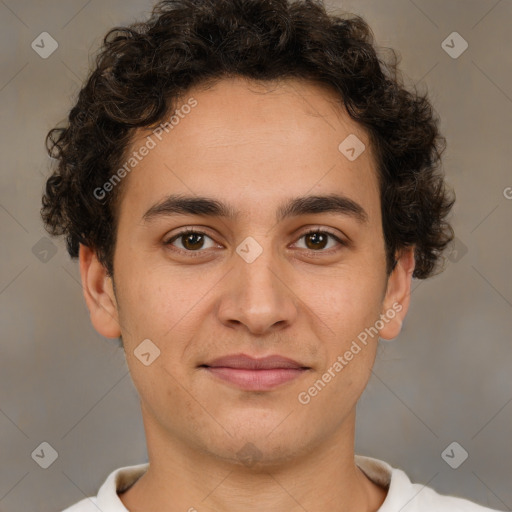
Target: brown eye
column 190, row 241
column 316, row 240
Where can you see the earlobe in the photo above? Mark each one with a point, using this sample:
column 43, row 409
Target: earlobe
column 398, row 293
column 99, row 294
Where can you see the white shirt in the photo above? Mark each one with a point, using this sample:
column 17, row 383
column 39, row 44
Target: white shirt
column 402, row 496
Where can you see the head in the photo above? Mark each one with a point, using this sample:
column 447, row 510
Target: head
column 247, row 112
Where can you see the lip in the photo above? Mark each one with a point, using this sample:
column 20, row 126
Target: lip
column 255, row 374
column 243, row 361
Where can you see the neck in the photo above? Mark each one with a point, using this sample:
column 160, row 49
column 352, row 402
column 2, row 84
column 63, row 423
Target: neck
column 325, row 477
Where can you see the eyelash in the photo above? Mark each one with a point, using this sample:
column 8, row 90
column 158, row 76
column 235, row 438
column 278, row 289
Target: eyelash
column 199, row 251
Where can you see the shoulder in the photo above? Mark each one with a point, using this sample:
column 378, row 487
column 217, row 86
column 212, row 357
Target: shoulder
column 406, row 496
column 107, row 499
column 85, row 505
column 428, row 500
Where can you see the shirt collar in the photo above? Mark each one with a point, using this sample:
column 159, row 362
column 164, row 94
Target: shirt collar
column 381, row 473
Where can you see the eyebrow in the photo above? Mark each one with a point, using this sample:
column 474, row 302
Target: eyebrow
column 305, row 205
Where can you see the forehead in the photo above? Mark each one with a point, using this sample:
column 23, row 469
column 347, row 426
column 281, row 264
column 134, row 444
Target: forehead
column 246, row 139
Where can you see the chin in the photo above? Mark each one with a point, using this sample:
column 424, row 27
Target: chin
column 257, row 450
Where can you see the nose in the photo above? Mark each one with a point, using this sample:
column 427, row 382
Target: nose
column 258, row 296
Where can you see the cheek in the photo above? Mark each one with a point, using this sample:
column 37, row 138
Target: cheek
column 153, row 301
column 347, row 302
column 349, row 353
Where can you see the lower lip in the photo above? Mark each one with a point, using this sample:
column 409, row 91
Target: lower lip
column 256, row 380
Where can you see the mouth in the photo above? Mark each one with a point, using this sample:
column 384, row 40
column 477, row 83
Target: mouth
column 255, row 374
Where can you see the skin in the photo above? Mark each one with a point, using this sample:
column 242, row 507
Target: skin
column 300, row 298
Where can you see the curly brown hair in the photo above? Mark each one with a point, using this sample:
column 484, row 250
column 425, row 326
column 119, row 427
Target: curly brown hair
column 142, row 69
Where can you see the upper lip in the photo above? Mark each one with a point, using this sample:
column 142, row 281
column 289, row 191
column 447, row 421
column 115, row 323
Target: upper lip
column 243, row 361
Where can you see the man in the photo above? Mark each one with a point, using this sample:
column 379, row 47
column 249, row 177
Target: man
column 250, row 193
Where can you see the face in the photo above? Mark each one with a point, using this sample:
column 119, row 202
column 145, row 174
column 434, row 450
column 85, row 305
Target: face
column 261, row 273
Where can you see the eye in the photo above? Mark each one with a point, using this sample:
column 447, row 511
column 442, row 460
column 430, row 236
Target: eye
column 190, row 240
column 316, row 240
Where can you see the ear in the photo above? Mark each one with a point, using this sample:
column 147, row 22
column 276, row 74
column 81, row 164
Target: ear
column 99, row 294
column 398, row 293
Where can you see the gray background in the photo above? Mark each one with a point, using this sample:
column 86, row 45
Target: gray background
column 446, row 378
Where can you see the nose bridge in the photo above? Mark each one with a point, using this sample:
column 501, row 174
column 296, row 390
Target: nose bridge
column 257, row 296
column 256, row 268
